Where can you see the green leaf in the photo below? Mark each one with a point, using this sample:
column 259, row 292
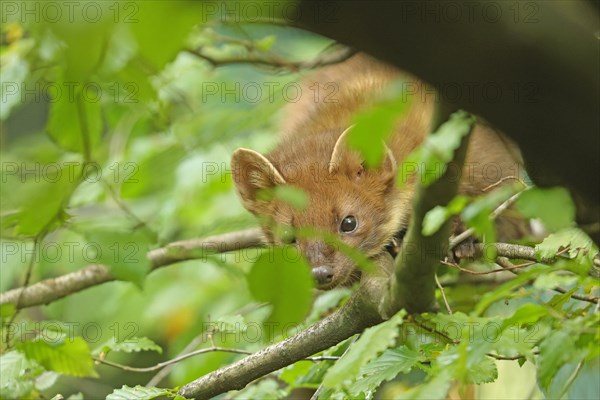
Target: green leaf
column 264, row 389
column 291, row 195
column 554, row 279
column 385, row 368
column 582, row 249
column 484, row 371
column 436, row 388
column 326, row 301
column 154, row 172
column 282, row 277
column 374, row 125
column 41, row 200
column 124, row 252
column 507, row 290
column 553, row 206
column 293, row 374
column 439, row 147
column 477, row 214
column 16, row 380
column 373, row 341
column 7, row 310
column 436, row 217
column 586, row 385
column 558, row 301
column 147, row 22
column 266, row 43
column 75, row 123
column 135, row 344
column 525, row 315
column 555, row 350
column 68, row 357
column 138, row 393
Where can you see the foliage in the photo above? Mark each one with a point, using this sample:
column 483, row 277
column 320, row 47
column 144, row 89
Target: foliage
column 115, row 140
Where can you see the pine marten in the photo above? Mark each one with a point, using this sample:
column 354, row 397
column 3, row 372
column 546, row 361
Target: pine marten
column 363, row 207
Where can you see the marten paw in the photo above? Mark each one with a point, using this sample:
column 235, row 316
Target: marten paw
column 464, row 251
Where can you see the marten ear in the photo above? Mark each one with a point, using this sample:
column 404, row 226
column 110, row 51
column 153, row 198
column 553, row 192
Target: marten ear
column 341, row 153
column 253, row 172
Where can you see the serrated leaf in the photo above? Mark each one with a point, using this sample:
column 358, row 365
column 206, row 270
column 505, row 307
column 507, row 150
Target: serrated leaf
column 525, row 315
column 281, row 276
column 68, row 357
column 484, row 371
column 373, row 341
column 582, row 249
column 384, row 368
column 134, row 344
column 137, row 393
column 553, row 206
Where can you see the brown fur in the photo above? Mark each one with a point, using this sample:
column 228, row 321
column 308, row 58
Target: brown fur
column 305, row 155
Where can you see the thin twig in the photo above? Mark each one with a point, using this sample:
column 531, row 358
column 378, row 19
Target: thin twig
column 173, row 360
column 192, row 354
column 506, row 264
column 36, row 243
column 197, row 341
column 493, row 271
column 508, row 358
column 506, row 178
column 53, row 289
column 439, row 285
column 458, row 239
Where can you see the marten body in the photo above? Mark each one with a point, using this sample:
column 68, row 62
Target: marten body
column 363, row 207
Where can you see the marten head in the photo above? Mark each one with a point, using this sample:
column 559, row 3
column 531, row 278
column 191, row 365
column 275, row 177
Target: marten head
column 350, row 204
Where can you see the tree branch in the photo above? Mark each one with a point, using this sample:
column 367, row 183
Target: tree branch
column 360, row 312
column 53, row 289
column 414, row 283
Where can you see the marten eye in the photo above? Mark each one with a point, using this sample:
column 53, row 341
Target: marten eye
column 348, row 224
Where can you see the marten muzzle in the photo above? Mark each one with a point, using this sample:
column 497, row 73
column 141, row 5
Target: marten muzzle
column 322, row 274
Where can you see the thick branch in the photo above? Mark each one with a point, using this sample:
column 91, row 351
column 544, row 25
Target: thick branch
column 357, row 314
column 414, row 283
column 50, row 290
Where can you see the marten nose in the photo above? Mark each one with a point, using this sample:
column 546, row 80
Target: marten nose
column 322, row 274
